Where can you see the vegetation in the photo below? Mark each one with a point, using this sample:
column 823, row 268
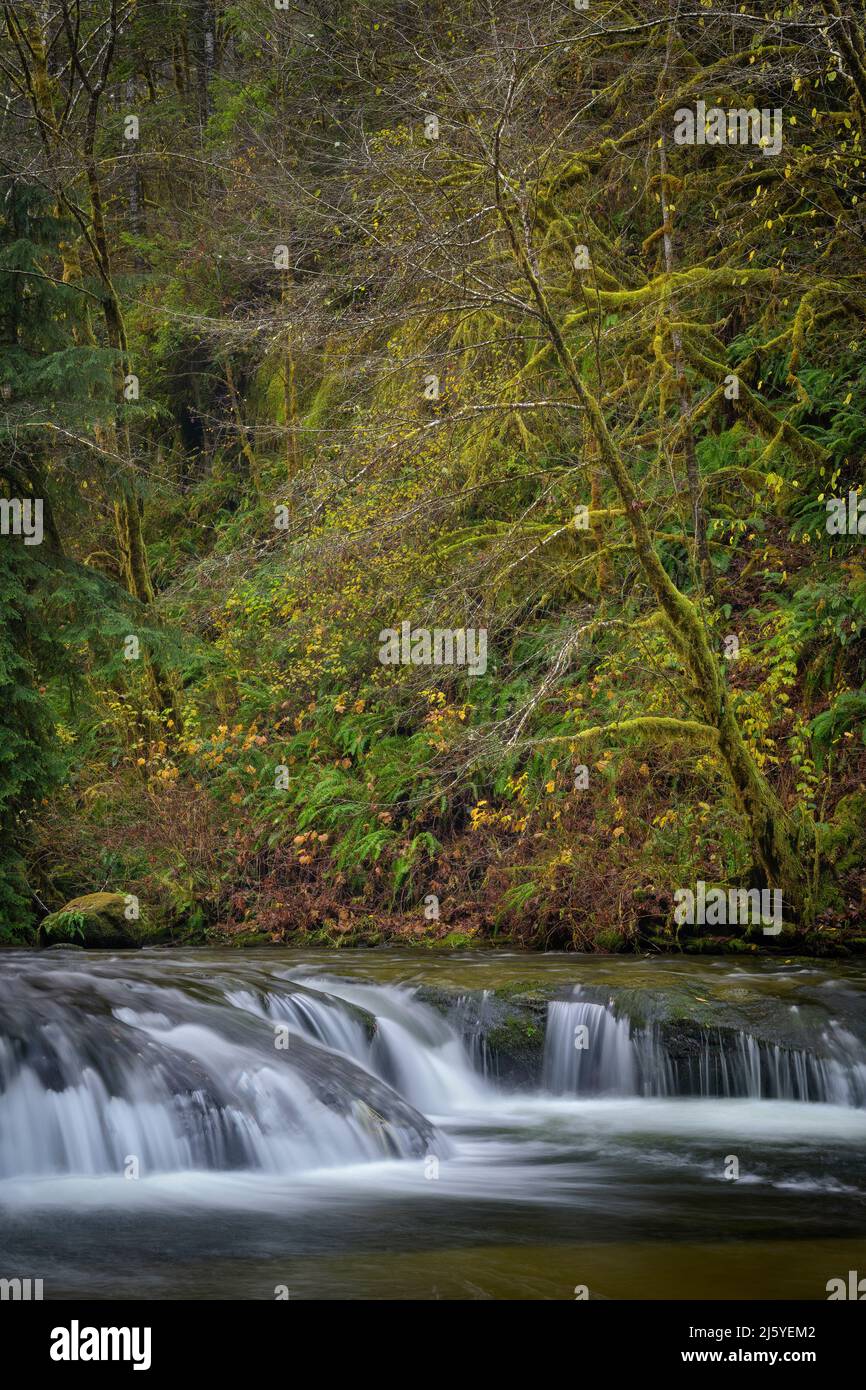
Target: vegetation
column 320, row 320
column 67, row 924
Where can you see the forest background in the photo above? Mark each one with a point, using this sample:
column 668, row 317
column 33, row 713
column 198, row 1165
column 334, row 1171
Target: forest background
column 320, row 319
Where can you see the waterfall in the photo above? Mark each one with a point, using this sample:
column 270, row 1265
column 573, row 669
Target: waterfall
column 405, row 1130
column 591, row 1049
column 316, row 1015
column 172, row 1065
column 391, row 1033
column 100, row 1074
column 414, row 1048
column 588, row 1050
column 744, row 1066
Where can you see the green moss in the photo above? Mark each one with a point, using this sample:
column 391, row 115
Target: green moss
column 454, row 941
column 251, row 938
column 101, row 920
column 612, row 941
column 706, row 945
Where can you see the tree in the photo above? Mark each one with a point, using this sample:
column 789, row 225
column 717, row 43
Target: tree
column 496, row 243
column 60, row 66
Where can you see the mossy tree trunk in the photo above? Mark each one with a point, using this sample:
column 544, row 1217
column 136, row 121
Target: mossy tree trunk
column 782, row 850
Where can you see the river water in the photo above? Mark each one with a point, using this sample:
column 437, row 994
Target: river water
column 214, row 1124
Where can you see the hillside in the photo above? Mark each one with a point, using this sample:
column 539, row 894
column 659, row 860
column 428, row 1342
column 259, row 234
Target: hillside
column 448, row 422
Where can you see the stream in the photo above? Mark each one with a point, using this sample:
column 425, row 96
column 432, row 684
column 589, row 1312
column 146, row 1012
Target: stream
column 369, row 1124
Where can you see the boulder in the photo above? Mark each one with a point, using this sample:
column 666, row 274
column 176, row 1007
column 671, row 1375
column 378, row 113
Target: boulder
column 94, row 920
column 507, row 1023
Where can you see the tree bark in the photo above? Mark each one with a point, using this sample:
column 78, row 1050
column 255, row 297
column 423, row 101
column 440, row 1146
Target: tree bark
column 779, row 847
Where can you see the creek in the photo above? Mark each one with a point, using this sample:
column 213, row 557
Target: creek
column 413, row 1124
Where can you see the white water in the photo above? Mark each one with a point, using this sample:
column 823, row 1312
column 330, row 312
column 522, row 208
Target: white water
column 121, row 1067
column 415, row 1048
column 103, row 1075
column 591, row 1050
column 588, row 1051
column 375, row 1156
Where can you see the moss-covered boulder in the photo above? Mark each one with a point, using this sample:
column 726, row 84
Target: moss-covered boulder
column 96, row 919
column 506, row 1024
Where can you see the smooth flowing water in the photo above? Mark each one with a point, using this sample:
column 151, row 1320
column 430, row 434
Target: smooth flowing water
column 206, row 1124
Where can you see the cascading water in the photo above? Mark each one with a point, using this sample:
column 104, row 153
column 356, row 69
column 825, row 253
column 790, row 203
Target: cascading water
column 744, row 1066
column 416, row 1050
column 387, row 1030
column 393, row 1133
column 98, row 1071
column 590, row 1049
column 258, row 1070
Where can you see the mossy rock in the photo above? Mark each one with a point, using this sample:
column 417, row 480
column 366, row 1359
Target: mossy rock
column 245, row 940
column 95, row 920
column 516, row 1042
column 612, row 942
column 826, row 941
column 510, row 1021
column 454, row 941
column 706, row 945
